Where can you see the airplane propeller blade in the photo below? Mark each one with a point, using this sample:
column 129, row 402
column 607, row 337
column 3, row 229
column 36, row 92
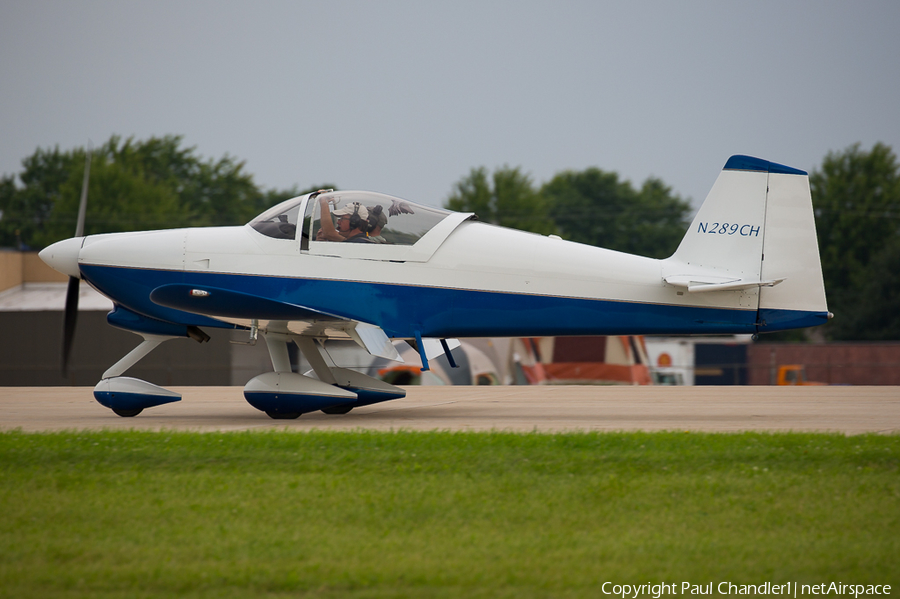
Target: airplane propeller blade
column 69, row 320
column 70, row 317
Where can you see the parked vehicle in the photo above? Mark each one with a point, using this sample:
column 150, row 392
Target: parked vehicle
column 794, row 374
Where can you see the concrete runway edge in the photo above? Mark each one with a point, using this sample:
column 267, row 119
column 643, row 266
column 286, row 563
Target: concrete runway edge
column 849, row 410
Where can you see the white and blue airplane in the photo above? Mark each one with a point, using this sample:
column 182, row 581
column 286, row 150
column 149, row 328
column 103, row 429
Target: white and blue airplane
column 749, row 263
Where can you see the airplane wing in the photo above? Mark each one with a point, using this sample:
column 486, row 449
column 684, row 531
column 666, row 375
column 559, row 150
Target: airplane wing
column 242, row 308
column 216, row 302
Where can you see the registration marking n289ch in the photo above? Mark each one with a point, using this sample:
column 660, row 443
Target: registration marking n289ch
column 716, row 228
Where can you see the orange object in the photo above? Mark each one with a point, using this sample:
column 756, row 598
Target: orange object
column 794, row 374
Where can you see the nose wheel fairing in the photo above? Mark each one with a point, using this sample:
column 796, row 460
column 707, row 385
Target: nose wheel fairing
column 124, row 394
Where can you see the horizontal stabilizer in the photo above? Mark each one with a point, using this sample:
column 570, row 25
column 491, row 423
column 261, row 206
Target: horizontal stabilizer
column 704, row 283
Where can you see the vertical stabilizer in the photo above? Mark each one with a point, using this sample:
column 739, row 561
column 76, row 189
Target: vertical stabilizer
column 756, row 234
column 727, row 233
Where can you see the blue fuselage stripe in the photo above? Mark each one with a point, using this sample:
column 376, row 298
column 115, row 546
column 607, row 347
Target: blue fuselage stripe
column 402, row 310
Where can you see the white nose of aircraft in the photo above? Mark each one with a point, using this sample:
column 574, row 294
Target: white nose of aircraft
column 62, row 256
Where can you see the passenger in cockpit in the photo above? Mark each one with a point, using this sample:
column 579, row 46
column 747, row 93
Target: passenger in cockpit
column 377, row 221
column 352, row 223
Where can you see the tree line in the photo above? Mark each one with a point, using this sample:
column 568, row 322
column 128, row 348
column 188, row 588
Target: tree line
column 157, row 183
column 134, row 185
column 591, row 206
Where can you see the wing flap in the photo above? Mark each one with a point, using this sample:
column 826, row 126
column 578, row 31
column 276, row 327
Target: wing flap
column 234, row 305
column 375, row 341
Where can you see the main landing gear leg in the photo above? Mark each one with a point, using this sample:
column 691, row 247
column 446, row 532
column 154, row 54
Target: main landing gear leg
column 323, row 370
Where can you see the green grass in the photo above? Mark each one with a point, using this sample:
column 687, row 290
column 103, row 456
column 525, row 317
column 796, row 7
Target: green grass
column 368, row 514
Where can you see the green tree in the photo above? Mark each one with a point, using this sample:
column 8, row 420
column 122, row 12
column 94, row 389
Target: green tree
column 871, row 312
column 506, row 198
column 595, row 207
column 25, row 210
column 134, row 185
column 856, row 196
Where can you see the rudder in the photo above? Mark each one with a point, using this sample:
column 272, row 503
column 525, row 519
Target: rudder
column 791, row 252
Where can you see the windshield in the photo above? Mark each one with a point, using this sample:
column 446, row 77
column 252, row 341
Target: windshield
column 385, row 219
column 279, row 221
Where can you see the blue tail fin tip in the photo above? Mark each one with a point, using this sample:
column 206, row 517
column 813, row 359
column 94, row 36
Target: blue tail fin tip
column 749, row 163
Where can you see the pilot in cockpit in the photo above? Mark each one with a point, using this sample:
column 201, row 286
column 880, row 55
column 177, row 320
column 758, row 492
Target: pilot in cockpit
column 352, row 223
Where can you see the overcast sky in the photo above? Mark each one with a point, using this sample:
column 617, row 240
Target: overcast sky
column 406, row 97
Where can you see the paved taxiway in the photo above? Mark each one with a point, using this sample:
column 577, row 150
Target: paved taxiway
column 849, row 410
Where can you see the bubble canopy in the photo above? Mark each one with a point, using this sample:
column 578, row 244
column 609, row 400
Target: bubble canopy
column 395, row 229
column 279, row 221
column 392, row 220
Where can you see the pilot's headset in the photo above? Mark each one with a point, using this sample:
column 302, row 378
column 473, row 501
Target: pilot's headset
column 355, row 218
column 375, row 215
